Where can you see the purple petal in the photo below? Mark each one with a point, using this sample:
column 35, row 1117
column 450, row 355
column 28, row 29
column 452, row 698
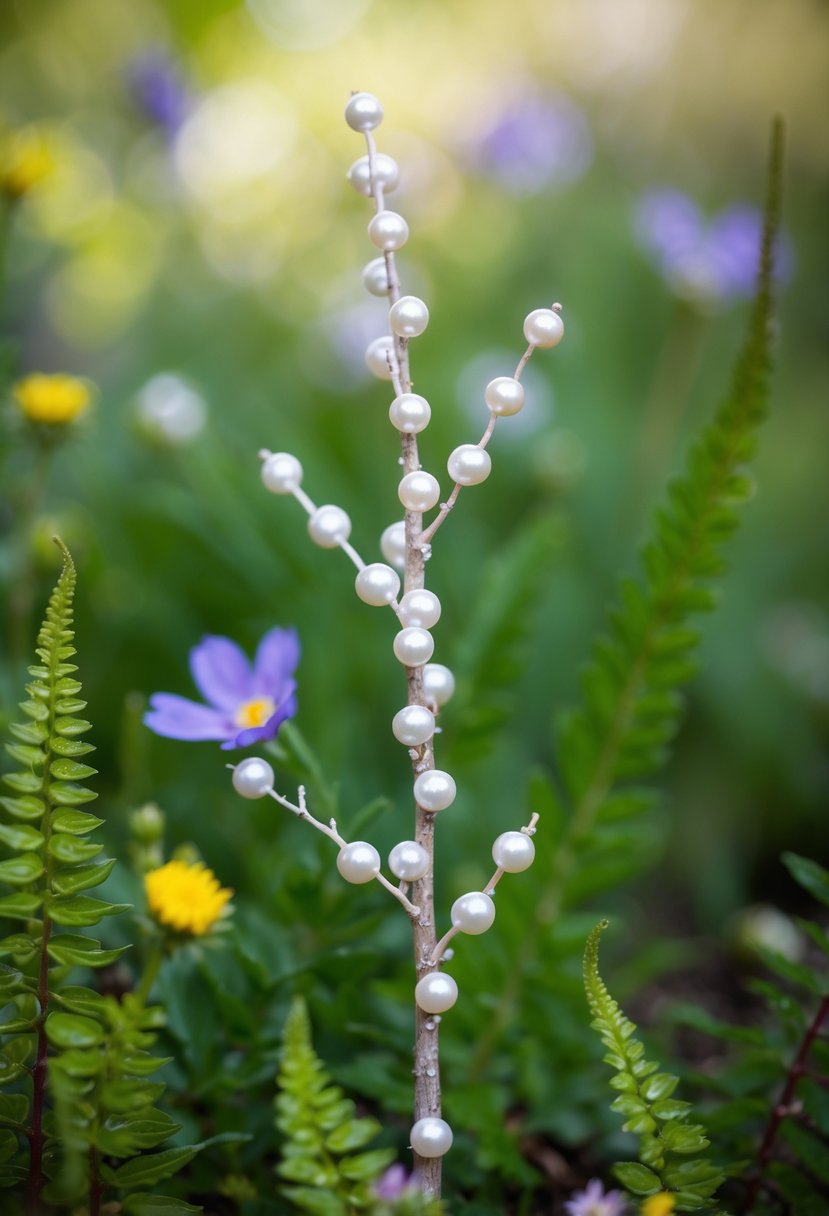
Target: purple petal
column 177, row 718
column 258, row 734
column 276, row 660
column 221, row 673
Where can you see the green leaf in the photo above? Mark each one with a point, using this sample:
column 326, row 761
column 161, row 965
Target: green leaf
column 812, row 877
column 69, row 1030
column 353, row 1134
column 77, row 823
column 23, row 905
column 24, row 783
column 14, row 1108
column 637, row 1179
column 69, row 770
column 142, row 1064
column 66, row 882
column 148, row 1205
column 71, row 950
column 152, row 1168
column 69, row 793
column 320, row 1203
column 68, row 848
column 18, row 871
column 81, row 1000
column 27, row 807
column 80, row 911
column 126, row 1094
column 366, row 1166
column 20, row 838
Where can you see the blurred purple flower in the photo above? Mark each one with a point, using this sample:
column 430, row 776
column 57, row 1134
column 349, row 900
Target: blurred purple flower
column 595, row 1201
column 245, row 704
column 158, row 90
column 702, row 260
column 538, row 140
column 393, row 1184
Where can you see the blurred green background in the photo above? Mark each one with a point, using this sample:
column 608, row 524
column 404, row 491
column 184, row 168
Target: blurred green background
column 197, row 223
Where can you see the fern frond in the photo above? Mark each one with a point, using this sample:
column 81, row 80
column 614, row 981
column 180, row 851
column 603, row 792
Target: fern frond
column 620, row 735
column 670, row 1146
column 319, row 1154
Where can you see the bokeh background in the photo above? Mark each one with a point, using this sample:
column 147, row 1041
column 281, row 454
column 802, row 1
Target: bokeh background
column 195, row 251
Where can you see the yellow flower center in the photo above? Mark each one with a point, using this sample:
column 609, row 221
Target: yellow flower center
column 659, row 1205
column 188, row 898
column 255, row 712
column 52, row 399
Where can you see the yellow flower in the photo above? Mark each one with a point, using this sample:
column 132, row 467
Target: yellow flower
column 185, row 897
column 56, row 400
column 659, row 1205
column 25, row 160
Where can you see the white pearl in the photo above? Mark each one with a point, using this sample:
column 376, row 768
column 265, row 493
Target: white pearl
column 253, row 778
column 418, row 491
column 544, row 328
column 281, row 473
column 435, row 790
column 413, row 646
column 469, row 464
column 438, row 683
column 419, row 607
column 431, row 1137
column 386, row 173
column 409, row 861
column 377, row 584
column 504, row 395
column 393, row 547
column 376, row 278
column 473, row 912
column 379, row 354
column 358, row 862
column 363, row 112
column 328, row 526
column 408, row 317
column 387, row 230
column 513, row 852
column 436, row 992
column 413, row 725
column 410, row 413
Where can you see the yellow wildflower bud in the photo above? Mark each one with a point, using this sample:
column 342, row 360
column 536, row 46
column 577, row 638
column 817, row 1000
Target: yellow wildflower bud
column 56, row 400
column 659, row 1205
column 25, row 160
column 184, row 897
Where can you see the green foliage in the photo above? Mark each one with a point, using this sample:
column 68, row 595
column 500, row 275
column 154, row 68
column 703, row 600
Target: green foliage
column 772, row 1114
column 321, row 1155
column 670, row 1147
column 620, row 735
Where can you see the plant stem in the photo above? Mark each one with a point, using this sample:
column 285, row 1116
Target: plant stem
column 782, row 1107
column 152, row 966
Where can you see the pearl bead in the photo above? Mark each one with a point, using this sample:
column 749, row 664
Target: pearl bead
column 513, row 852
column 358, row 862
column 409, row 317
column 431, row 1137
column 375, row 277
column 438, row 683
column 387, row 230
column 435, row 790
column 413, row 646
column 469, row 464
column 418, row 491
column 419, row 607
column 544, row 328
column 377, row 584
column 253, row 778
column 436, row 992
column 410, row 413
column 393, row 548
column 363, row 112
column 379, row 354
column 386, row 173
column 281, row 473
column 413, row 725
column 504, row 395
column 409, row 860
column 328, row 526
column 473, row 912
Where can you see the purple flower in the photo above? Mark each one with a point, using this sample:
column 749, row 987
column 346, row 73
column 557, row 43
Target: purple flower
column 595, row 1201
column 537, row 140
column 393, row 1184
column 245, row 704
column 158, row 90
column 704, row 260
